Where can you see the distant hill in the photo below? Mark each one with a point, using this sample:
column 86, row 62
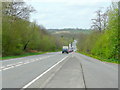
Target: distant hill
column 68, row 31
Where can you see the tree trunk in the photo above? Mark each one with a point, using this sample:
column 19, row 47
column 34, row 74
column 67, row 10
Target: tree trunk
column 26, row 45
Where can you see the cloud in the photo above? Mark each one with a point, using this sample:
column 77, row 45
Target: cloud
column 65, row 13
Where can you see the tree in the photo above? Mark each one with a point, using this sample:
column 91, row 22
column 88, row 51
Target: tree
column 101, row 21
column 97, row 23
column 17, row 9
column 105, row 19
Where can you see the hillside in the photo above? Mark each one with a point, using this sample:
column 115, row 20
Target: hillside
column 68, row 33
column 68, row 30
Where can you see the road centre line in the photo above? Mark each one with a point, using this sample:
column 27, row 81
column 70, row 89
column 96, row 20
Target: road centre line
column 20, row 63
column 27, row 85
column 8, row 68
column 9, row 65
column 24, row 57
column 2, row 67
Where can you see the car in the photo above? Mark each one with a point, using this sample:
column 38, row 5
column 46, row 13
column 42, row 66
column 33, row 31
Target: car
column 65, row 51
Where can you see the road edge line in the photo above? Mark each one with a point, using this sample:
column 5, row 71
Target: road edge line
column 27, row 85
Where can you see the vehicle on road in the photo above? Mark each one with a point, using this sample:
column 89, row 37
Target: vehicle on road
column 65, row 49
column 70, row 49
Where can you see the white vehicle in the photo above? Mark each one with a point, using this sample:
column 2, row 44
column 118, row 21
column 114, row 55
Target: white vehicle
column 65, row 49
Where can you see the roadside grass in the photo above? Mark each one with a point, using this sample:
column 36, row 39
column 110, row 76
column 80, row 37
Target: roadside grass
column 26, row 54
column 23, row 55
column 101, row 58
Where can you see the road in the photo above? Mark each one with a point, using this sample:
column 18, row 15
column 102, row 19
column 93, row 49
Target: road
column 56, row 70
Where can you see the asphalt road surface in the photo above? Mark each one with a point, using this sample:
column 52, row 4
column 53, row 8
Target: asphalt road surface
column 56, row 70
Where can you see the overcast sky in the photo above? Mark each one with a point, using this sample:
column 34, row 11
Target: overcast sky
column 65, row 13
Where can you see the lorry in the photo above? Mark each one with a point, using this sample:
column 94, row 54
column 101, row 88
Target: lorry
column 71, row 49
column 65, row 49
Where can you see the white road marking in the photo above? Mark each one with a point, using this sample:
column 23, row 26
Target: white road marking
column 37, row 59
column 8, row 68
column 27, row 62
column 42, row 74
column 20, row 63
column 9, row 65
column 2, row 67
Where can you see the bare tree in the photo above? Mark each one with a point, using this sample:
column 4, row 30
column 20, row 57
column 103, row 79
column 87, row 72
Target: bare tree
column 17, row 9
column 105, row 19
column 100, row 22
column 97, row 23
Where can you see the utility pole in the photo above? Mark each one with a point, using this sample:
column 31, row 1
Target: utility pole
column 71, row 44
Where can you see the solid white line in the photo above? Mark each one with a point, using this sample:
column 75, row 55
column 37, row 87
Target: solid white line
column 42, row 74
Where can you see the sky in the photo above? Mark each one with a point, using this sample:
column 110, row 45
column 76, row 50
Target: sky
column 58, row 14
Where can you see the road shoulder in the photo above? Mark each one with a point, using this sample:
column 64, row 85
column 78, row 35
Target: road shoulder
column 69, row 76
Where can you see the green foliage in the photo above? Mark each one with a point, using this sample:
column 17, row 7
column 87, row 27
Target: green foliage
column 107, row 45
column 19, row 36
column 20, row 33
column 103, row 44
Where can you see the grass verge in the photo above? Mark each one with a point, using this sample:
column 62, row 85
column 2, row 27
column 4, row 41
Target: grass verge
column 101, row 58
column 23, row 55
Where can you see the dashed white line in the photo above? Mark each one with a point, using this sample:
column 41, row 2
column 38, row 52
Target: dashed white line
column 37, row 59
column 18, row 65
column 9, row 65
column 27, row 62
column 8, row 68
column 2, row 67
column 21, row 63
